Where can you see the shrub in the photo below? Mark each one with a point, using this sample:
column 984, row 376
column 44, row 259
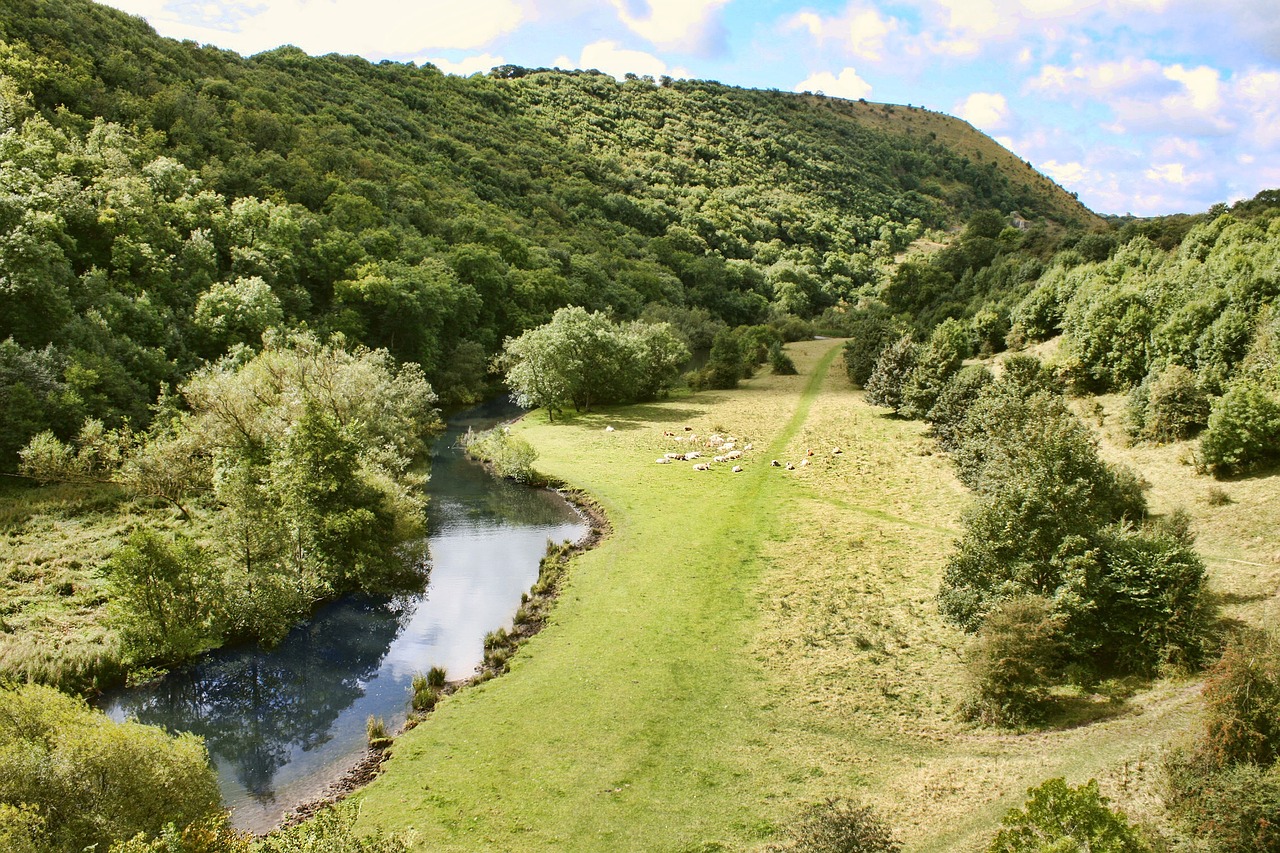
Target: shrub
column 868, row 335
column 780, row 362
column 436, row 677
column 510, row 455
column 1170, row 407
column 893, row 369
column 1014, row 658
column 837, row 825
column 91, row 780
column 1234, row 809
column 935, row 363
column 1244, row 430
column 952, row 406
column 1057, row 817
column 1226, row 787
column 1243, row 698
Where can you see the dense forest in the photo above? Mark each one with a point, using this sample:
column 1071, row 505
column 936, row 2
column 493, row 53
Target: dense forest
column 164, row 203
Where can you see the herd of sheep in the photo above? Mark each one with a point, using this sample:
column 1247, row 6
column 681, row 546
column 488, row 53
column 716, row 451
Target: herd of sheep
column 725, row 449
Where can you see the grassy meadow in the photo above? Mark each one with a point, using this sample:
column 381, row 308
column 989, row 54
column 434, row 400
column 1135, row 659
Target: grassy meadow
column 54, row 538
column 743, row 644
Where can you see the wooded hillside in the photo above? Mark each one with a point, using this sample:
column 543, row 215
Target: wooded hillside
column 164, row 203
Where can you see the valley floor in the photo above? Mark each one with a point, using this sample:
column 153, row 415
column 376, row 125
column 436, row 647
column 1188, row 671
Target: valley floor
column 743, row 644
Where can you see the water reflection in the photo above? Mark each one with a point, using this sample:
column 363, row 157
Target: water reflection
column 282, row 725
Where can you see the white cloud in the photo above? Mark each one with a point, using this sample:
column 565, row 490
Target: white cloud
column 1066, row 174
column 861, row 31
column 468, row 65
column 846, row 85
column 365, row 27
column 611, row 58
column 986, row 110
column 689, row 25
column 1168, row 173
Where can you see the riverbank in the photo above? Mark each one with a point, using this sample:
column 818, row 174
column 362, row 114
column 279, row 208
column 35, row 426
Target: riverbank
column 530, row 619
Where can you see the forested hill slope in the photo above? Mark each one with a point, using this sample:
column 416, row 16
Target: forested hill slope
column 164, row 202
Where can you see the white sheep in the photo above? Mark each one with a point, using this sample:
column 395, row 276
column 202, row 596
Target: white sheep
column 737, row 469
column 662, row 460
column 702, row 466
column 733, row 454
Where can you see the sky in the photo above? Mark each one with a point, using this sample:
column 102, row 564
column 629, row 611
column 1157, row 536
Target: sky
column 1142, row 107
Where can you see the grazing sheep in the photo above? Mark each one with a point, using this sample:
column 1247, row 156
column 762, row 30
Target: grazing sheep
column 717, row 459
column 804, row 462
column 728, row 445
column 790, row 467
column 835, row 451
column 737, row 469
column 733, row 454
column 692, row 454
column 776, row 464
column 702, row 466
column 608, row 429
column 688, row 429
column 679, row 457
column 749, row 446
column 668, row 433
column 810, row 453
column 662, row 460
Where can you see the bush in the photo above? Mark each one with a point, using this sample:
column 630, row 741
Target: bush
column 952, row 406
column 1015, row 657
column 1243, row 698
column 1171, row 407
column 891, row 373
column 510, row 455
column 935, row 363
column 1244, row 430
column 780, row 362
column 1226, row 787
column 436, row 677
column 1234, row 810
column 91, row 780
column 726, row 364
column 1057, row 817
column 837, row 825
column 332, row 830
column 868, row 335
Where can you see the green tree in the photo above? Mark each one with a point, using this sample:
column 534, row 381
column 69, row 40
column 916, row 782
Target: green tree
column 165, row 597
column 891, row 374
column 1244, row 430
column 1058, row 818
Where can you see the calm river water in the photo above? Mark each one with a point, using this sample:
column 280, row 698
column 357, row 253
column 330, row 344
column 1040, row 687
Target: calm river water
column 282, row 725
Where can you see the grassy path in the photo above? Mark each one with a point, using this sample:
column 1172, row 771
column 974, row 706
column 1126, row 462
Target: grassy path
column 631, row 722
column 743, row 644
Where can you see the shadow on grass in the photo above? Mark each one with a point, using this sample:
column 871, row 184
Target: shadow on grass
column 1105, row 701
column 642, row 416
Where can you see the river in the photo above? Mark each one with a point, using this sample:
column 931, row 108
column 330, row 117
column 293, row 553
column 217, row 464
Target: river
column 282, row 725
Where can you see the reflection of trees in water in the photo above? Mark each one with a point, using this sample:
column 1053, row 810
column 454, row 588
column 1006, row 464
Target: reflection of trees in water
column 254, row 707
column 462, row 491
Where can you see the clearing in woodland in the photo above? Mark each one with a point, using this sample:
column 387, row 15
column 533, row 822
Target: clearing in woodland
column 746, row 643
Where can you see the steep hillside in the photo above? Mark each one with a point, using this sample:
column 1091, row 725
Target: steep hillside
column 166, row 202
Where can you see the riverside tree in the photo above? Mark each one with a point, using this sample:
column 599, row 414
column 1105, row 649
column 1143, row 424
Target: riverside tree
column 584, row 359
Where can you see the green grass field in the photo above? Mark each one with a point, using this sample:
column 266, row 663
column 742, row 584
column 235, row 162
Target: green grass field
column 743, row 644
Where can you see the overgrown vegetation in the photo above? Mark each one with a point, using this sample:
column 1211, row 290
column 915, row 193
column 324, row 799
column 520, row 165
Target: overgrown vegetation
column 71, row 778
column 1225, row 788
